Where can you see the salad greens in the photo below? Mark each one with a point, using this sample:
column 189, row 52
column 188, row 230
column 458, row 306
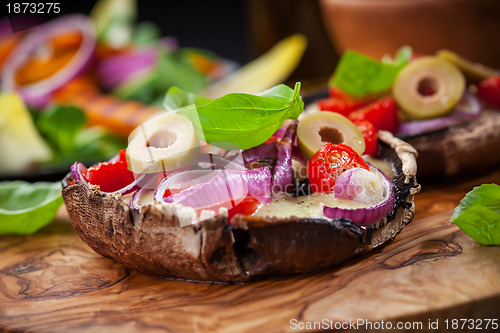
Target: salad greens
column 242, row 119
column 26, row 207
column 114, row 20
column 478, row 214
column 359, row 75
column 63, row 128
column 172, row 69
column 145, row 33
column 60, row 125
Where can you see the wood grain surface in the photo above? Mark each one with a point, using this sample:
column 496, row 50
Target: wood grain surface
column 52, row 282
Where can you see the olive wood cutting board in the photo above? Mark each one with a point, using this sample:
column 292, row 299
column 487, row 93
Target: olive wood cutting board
column 432, row 272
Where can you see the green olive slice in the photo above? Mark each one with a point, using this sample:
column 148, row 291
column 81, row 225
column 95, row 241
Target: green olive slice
column 316, row 129
column 163, row 143
column 472, row 70
column 428, row 87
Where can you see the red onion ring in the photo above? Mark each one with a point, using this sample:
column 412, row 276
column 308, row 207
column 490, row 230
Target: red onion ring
column 38, row 94
column 78, row 168
column 137, row 196
column 265, row 150
column 368, row 215
column 205, row 189
column 117, row 69
column 468, row 108
column 411, row 128
column 297, row 155
column 283, row 174
column 217, row 162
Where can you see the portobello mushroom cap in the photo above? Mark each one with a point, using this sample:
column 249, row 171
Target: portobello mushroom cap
column 459, row 149
column 152, row 241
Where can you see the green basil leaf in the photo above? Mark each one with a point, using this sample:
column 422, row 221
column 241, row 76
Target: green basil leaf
column 26, row 207
column 60, row 125
column 478, row 214
column 239, row 119
column 359, row 75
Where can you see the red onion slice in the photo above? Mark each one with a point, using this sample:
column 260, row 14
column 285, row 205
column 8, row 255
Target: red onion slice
column 468, row 108
column 117, row 69
column 265, row 150
column 368, row 215
column 76, row 171
column 138, row 196
column 205, row 189
column 297, row 155
column 360, row 185
column 38, row 94
column 141, row 180
column 235, row 162
column 411, row 128
column 283, row 174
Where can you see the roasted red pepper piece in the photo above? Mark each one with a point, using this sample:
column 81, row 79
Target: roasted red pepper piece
column 383, row 114
column 246, row 207
column 369, row 134
column 110, row 176
column 342, row 106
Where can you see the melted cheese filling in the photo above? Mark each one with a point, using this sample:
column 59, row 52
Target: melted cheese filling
column 311, row 206
column 308, row 206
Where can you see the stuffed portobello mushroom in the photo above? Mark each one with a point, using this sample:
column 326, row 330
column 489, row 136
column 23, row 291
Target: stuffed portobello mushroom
column 445, row 106
column 238, row 189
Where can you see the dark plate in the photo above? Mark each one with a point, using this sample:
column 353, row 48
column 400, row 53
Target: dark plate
column 47, row 175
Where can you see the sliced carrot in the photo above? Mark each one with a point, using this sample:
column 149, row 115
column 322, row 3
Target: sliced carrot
column 202, row 63
column 37, row 69
column 66, row 40
column 118, row 116
column 61, row 49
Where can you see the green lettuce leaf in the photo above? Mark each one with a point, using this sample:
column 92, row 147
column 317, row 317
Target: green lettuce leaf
column 26, row 207
column 61, row 125
column 478, row 214
column 64, row 130
column 239, row 119
column 359, row 75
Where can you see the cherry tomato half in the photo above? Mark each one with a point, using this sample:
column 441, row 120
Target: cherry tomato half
column 328, row 163
column 489, row 90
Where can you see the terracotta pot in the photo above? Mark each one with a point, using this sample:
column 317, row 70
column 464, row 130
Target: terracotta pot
column 377, row 27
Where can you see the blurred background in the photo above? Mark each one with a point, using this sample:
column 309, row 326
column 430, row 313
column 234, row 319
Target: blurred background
column 240, row 30
column 199, row 46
